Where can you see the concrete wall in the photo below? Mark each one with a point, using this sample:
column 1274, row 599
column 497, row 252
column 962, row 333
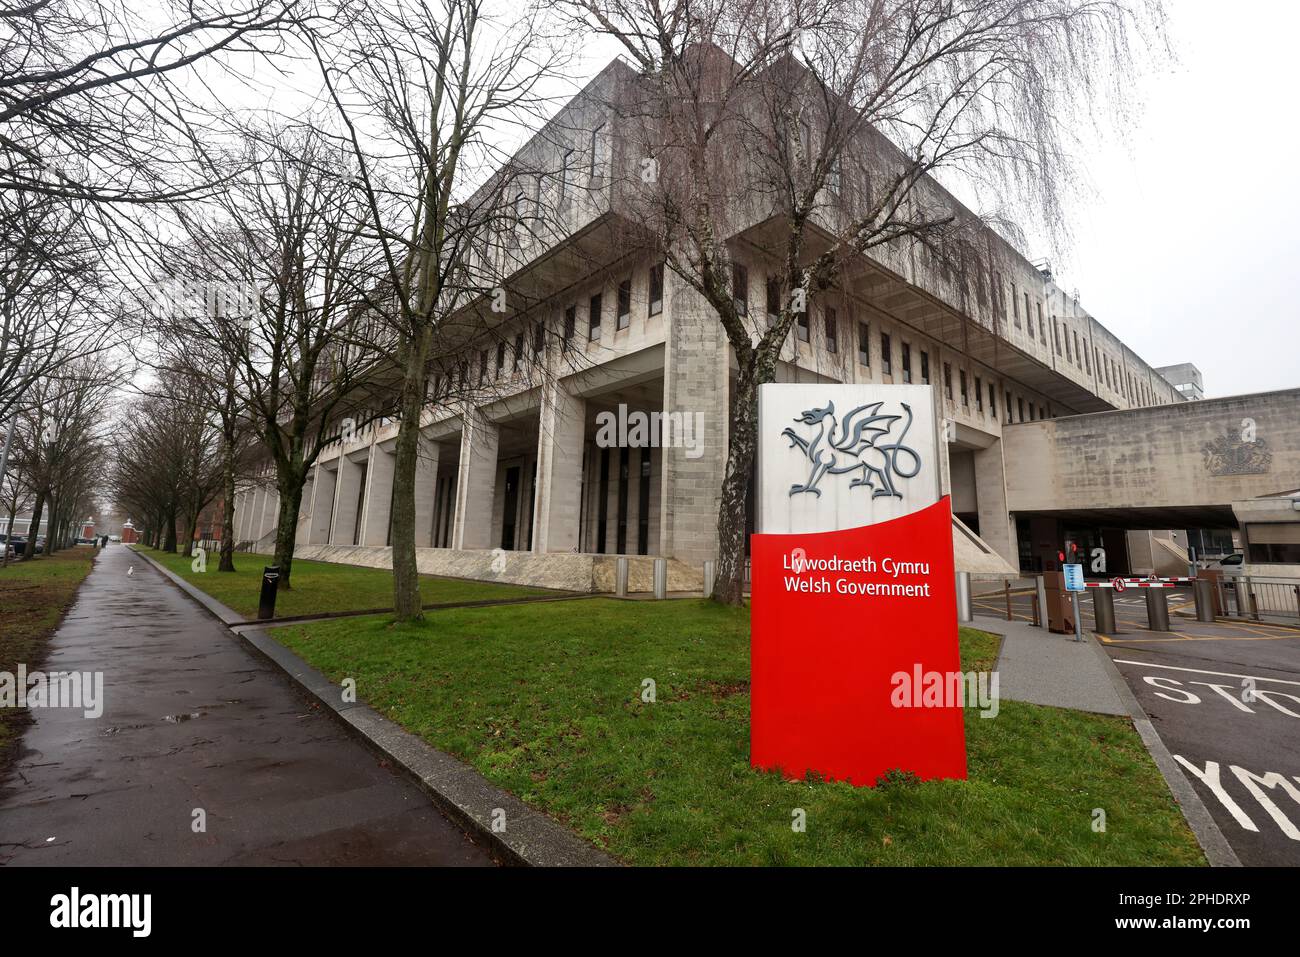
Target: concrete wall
column 1188, row 454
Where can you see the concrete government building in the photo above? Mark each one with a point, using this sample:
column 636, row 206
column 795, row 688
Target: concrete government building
column 1056, row 430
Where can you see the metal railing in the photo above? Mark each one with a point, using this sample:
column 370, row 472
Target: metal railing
column 1247, row 596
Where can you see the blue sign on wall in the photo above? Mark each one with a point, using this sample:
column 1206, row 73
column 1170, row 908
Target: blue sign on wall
column 1074, row 578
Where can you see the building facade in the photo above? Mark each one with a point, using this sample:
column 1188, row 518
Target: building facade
column 611, row 339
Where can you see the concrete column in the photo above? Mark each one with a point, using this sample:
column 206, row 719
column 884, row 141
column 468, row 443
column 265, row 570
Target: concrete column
column 696, row 368
column 559, row 470
column 344, row 524
column 426, row 485
column 476, row 482
column 379, row 497
column 303, row 534
column 996, row 525
column 322, row 505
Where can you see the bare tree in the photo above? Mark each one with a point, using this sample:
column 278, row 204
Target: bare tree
column 425, row 90
column 829, row 120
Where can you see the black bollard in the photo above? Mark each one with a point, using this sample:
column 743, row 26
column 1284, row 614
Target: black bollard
column 270, row 582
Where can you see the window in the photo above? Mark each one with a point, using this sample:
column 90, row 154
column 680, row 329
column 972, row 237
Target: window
column 993, row 401
column 979, row 394
column 1009, row 418
column 624, row 304
column 501, row 357
column 1068, row 356
column 566, row 167
column 1042, row 328
column 1056, row 336
column 864, row 344
column 656, row 289
column 1078, row 359
column 773, row 298
column 907, row 361
column 570, row 324
column 1020, row 405
column 832, row 333
column 593, row 317
column 886, row 359
column 482, row 367
column 833, row 177
column 740, row 288
column 1042, row 412
column 1015, row 305
column 1031, row 412
column 597, row 153
column 965, row 396
column 947, row 381
column 1028, row 320
column 1087, row 361
column 801, row 328
column 519, row 350
column 539, row 339
column 925, row 367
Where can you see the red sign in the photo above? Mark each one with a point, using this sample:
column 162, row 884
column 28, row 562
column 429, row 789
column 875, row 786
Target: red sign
column 1118, row 583
column 854, row 651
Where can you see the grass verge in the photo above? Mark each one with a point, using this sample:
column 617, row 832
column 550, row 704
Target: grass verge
column 322, row 587
column 544, row 700
column 33, row 599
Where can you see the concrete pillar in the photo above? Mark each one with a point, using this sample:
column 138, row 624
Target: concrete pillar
column 322, row 505
column 344, row 526
column 476, row 482
column 996, row 525
column 426, row 485
column 379, row 497
column 696, row 373
column 557, row 498
column 303, row 534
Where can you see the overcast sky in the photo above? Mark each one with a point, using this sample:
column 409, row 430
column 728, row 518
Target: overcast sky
column 1189, row 250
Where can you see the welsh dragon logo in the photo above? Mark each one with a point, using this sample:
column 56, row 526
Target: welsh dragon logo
column 853, row 443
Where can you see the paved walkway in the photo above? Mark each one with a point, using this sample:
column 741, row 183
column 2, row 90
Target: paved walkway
column 193, row 720
column 1042, row 668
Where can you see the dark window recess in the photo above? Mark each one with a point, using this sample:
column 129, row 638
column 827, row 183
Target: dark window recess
column 886, row 355
column 624, row 303
column 864, row 344
column 993, row 401
column 643, row 505
column 979, row 394
column 907, row 362
column 1275, row 553
column 925, row 367
column 602, row 502
column 774, row 298
column 361, row 505
column 1009, row 418
column 519, row 350
column 1020, row 405
column 832, row 331
column 947, row 380
column 482, row 367
column 624, row 460
column 501, row 357
column 539, row 338
column 511, row 508
column 740, row 288
column 593, row 317
column 965, row 395
column 801, row 327
column 570, row 324
column 656, row 289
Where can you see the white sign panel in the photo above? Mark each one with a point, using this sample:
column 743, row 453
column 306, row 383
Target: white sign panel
column 842, row 456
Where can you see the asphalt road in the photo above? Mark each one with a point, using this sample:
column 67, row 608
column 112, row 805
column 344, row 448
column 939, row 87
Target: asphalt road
column 196, row 730
column 1225, row 699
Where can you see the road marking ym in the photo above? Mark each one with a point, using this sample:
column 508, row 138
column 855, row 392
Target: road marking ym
column 1202, row 671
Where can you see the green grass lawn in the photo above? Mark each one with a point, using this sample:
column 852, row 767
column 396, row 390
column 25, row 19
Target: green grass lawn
column 321, row 587
column 544, row 700
column 33, row 597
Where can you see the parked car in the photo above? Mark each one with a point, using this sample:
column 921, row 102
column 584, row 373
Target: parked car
column 18, row 544
column 1229, row 564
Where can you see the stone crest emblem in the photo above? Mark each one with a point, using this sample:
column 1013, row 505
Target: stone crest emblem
column 1230, row 454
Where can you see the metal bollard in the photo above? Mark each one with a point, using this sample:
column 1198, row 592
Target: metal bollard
column 1041, row 584
column 1203, row 592
column 965, row 610
column 270, row 585
column 1006, row 588
column 620, row 577
column 1157, row 610
column 710, row 576
column 661, row 578
column 1103, row 610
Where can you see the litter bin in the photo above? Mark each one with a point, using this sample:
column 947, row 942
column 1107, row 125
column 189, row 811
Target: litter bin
column 270, row 583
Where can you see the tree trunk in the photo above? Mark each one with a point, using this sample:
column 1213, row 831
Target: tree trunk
column 169, row 532
column 227, row 563
column 34, row 530
column 290, row 484
column 406, row 578
column 742, row 447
